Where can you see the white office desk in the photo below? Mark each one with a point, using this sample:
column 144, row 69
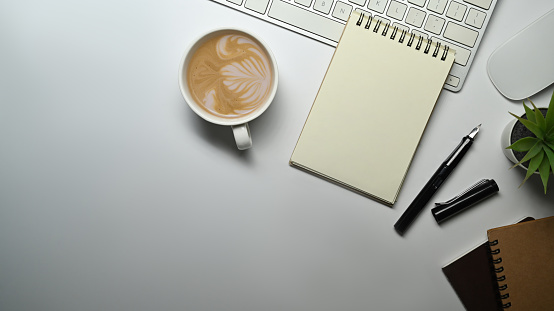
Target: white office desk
column 114, row 195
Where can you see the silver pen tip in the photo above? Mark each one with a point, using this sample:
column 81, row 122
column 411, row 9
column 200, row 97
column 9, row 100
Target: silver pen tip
column 474, row 131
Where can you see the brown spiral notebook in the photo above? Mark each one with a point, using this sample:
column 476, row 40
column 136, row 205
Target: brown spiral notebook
column 523, row 260
column 470, row 277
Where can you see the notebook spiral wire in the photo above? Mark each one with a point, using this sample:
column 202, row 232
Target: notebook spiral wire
column 497, row 270
column 403, row 34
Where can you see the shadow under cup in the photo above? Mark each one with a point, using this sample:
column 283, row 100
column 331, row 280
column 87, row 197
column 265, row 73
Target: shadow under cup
column 225, row 78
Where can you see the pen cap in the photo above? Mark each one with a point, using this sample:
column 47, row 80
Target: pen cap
column 476, row 193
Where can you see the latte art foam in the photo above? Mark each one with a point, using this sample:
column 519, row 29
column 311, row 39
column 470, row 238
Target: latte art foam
column 230, row 75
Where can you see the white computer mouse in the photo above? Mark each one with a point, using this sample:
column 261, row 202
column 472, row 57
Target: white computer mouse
column 524, row 65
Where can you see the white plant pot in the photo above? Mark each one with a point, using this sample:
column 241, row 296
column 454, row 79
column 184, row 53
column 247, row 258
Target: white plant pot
column 505, row 141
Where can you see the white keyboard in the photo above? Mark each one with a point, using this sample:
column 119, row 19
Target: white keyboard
column 457, row 23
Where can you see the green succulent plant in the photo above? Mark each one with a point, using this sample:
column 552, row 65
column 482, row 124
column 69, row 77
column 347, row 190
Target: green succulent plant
column 540, row 149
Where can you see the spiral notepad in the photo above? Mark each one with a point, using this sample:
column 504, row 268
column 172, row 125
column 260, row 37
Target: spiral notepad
column 372, row 107
column 522, row 263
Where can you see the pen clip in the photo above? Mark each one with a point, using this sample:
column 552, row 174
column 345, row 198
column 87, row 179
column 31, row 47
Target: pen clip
column 466, row 193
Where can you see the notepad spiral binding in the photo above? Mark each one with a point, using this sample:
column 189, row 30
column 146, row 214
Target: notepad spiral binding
column 411, row 38
column 501, row 284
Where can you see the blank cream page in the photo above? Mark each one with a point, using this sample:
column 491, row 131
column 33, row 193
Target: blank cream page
column 371, row 110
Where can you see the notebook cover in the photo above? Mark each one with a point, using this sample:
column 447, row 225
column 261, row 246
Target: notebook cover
column 526, row 252
column 371, row 109
column 471, row 278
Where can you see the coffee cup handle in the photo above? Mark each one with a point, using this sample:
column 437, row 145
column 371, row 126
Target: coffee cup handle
column 242, row 136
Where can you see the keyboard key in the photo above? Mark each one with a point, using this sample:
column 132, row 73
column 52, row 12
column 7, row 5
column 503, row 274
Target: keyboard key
column 238, row 2
column 420, row 3
column 401, row 27
column 461, row 34
column 306, row 3
column 475, row 18
column 342, row 10
column 306, row 20
column 421, row 34
column 377, row 5
column 437, row 6
column 366, row 13
column 484, row 4
column 323, row 6
column 383, row 20
column 452, row 80
column 358, row 2
column 462, row 54
column 397, row 10
column 415, row 17
column 456, row 11
column 434, row 24
column 257, row 5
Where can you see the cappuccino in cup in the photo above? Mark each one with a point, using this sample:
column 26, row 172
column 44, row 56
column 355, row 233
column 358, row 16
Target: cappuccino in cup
column 229, row 77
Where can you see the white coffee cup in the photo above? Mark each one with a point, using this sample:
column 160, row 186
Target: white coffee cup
column 238, row 124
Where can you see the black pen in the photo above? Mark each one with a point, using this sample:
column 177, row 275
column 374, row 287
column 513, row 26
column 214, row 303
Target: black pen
column 435, row 182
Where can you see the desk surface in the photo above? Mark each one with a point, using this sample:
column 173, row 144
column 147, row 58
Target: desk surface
column 114, row 195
